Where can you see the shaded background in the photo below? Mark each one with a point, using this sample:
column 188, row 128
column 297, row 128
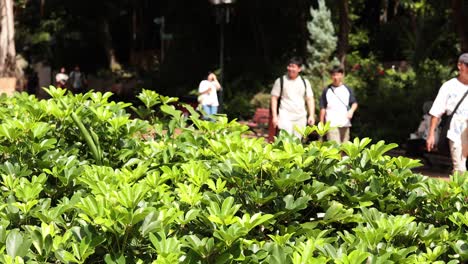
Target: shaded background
column 420, row 39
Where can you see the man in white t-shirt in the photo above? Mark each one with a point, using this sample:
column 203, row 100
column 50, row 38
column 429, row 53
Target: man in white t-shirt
column 337, row 106
column 293, row 93
column 450, row 93
column 208, row 98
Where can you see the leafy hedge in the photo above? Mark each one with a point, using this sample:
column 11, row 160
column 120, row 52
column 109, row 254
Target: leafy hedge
column 84, row 182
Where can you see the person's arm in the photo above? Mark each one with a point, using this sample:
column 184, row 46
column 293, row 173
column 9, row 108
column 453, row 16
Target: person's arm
column 464, row 136
column 204, row 87
column 205, row 91
column 274, row 110
column 351, row 111
column 352, row 102
column 311, row 111
column 430, row 141
column 323, row 111
column 323, row 105
column 216, row 84
column 214, row 80
column 310, row 102
column 274, row 102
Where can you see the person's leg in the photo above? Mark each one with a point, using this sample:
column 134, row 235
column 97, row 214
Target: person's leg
column 458, row 160
column 344, row 134
column 210, row 111
column 214, row 110
column 206, row 109
column 300, row 124
column 207, row 112
column 334, row 135
column 285, row 124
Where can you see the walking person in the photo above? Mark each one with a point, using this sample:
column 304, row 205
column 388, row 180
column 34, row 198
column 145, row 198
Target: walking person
column 292, row 100
column 451, row 94
column 207, row 95
column 77, row 80
column 337, row 106
column 61, row 78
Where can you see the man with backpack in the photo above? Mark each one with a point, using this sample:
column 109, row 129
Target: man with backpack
column 292, row 100
column 337, row 106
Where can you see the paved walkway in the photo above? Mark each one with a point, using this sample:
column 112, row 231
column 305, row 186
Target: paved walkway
column 433, row 172
column 434, row 165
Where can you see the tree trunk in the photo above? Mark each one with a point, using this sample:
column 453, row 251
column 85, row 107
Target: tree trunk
column 114, row 65
column 460, row 23
column 396, row 5
column 343, row 33
column 42, row 8
column 7, row 39
column 384, row 12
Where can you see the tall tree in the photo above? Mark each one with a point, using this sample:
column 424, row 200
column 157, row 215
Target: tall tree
column 7, row 39
column 459, row 9
column 343, row 32
column 106, row 39
column 323, row 42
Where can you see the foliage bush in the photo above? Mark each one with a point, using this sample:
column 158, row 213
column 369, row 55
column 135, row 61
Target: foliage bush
column 239, row 106
column 260, row 100
column 82, row 182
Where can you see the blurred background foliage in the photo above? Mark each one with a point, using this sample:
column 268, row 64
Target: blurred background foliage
column 396, row 53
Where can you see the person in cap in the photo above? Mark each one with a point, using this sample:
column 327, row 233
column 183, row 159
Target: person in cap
column 292, row 100
column 449, row 95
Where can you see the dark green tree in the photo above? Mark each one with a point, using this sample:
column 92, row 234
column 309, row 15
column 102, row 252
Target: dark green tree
column 322, row 43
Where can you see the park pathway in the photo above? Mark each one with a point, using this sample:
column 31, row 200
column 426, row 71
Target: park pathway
column 440, row 167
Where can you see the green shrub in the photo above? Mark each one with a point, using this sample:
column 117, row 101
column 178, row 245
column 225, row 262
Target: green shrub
column 82, row 182
column 260, row 100
column 239, row 106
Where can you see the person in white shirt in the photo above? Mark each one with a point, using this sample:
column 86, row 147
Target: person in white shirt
column 292, row 100
column 208, row 97
column 449, row 95
column 337, row 106
column 61, row 78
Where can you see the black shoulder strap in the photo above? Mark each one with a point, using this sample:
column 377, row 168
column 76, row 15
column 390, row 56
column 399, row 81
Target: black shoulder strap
column 459, row 102
column 305, row 86
column 281, row 94
column 281, row 86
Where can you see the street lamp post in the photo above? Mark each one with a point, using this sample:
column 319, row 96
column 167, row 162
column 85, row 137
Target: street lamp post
column 223, row 16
